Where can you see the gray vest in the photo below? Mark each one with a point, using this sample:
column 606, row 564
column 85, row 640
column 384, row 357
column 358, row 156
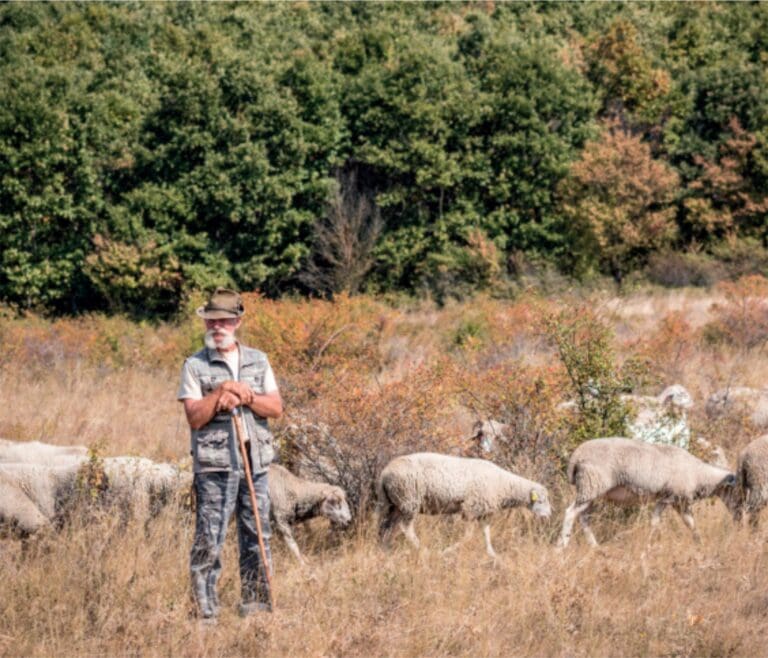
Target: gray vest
column 215, row 446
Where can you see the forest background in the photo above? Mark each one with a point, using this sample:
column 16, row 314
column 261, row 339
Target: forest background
column 152, row 150
column 499, row 159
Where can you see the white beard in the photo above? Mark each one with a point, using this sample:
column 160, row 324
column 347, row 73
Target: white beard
column 224, row 343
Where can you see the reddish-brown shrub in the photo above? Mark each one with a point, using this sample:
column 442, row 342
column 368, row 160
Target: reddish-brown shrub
column 742, row 319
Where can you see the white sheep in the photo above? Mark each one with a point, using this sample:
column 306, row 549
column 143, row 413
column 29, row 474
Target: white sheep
column 430, row 483
column 140, row 486
column 35, row 452
column 752, row 401
column 751, row 494
column 627, row 471
column 33, row 496
column 295, row 499
column 135, row 484
column 661, row 419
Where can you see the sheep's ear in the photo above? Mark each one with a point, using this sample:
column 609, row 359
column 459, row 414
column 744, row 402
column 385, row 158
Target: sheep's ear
column 534, row 496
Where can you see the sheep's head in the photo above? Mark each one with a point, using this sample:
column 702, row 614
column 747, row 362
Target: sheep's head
column 539, row 502
column 485, row 433
column 676, row 396
column 335, row 508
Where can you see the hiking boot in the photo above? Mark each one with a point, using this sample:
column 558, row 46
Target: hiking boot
column 248, row 609
column 207, row 623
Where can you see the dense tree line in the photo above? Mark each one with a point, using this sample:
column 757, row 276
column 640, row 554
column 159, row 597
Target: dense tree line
column 148, row 150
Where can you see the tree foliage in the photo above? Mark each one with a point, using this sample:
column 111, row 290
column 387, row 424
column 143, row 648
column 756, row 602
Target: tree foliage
column 620, row 200
column 149, row 151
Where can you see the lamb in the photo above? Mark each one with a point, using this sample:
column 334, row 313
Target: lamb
column 751, row 493
column 431, row 483
column 294, row 499
column 753, row 401
column 627, row 471
column 35, row 452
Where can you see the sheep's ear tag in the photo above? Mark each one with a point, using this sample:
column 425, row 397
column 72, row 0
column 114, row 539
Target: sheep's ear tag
column 534, row 497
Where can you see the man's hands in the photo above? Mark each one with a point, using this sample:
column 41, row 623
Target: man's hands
column 226, row 397
column 233, row 394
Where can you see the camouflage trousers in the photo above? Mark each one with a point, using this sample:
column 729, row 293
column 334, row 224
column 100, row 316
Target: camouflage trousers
column 218, row 496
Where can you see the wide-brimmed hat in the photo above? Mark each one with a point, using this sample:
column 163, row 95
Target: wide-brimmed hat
column 224, row 303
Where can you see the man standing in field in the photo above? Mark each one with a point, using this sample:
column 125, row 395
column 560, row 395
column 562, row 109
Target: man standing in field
column 225, row 375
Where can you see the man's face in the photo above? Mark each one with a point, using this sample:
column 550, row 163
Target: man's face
column 220, row 333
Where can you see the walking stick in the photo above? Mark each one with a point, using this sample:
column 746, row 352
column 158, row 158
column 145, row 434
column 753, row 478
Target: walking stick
column 257, row 518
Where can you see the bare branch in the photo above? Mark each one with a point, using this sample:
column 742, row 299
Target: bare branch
column 344, row 240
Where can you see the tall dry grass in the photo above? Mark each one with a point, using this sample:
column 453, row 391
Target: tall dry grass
column 97, row 588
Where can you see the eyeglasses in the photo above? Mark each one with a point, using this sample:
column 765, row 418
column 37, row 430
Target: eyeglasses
column 227, row 322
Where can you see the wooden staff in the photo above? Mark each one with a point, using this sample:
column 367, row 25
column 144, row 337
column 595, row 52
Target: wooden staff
column 257, row 518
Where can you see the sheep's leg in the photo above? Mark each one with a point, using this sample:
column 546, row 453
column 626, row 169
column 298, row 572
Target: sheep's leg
column 285, row 530
column 685, row 514
column 658, row 510
column 571, row 514
column 754, row 514
column 754, row 503
column 406, row 525
column 487, row 535
column 584, row 520
column 387, row 528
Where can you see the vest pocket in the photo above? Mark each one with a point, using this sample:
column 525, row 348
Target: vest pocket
column 213, row 449
column 262, row 451
column 256, row 382
column 209, row 383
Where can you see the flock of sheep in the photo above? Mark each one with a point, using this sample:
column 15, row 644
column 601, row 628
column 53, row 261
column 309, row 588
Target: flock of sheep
column 38, row 481
column 41, row 483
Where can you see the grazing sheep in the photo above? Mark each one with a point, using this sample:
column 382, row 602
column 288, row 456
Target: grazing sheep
column 753, row 401
column 661, row 420
column 33, row 496
column 430, row 483
column 486, row 433
column 137, row 485
column 35, row 452
column 627, row 471
column 294, row 499
column 140, row 486
column 751, row 493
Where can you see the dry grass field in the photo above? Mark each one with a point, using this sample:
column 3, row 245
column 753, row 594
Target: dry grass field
column 389, row 380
